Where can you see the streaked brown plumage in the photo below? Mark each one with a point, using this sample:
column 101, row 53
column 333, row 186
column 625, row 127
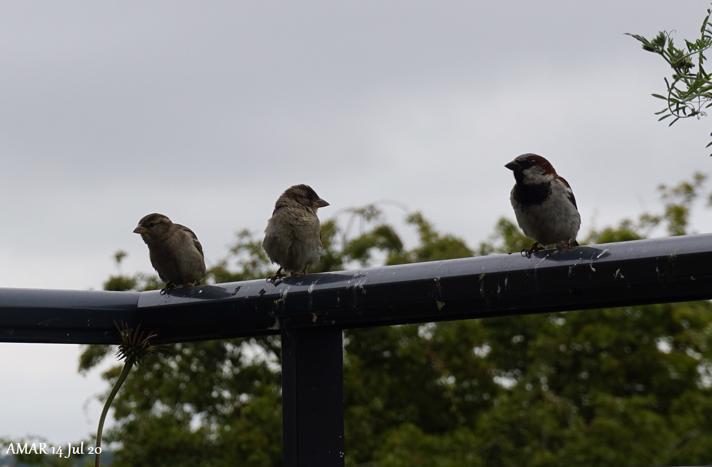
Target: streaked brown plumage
column 175, row 252
column 292, row 237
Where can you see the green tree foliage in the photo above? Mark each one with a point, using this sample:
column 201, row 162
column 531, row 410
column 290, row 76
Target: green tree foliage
column 688, row 91
column 625, row 386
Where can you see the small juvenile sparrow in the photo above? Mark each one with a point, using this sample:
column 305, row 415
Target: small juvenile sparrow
column 292, row 237
column 543, row 203
column 176, row 254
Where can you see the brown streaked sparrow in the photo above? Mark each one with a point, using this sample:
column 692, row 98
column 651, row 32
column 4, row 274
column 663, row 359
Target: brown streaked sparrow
column 543, row 203
column 292, row 237
column 176, row 254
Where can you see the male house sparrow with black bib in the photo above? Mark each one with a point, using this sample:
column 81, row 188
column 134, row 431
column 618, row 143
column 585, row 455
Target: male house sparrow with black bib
column 292, row 237
column 176, row 254
column 543, row 203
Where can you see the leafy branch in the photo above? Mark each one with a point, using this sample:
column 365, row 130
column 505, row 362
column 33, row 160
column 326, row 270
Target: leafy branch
column 689, row 88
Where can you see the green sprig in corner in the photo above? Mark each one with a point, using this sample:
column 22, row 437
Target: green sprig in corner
column 689, row 89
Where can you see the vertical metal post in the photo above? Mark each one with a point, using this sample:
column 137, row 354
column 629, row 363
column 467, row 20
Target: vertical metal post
column 312, row 397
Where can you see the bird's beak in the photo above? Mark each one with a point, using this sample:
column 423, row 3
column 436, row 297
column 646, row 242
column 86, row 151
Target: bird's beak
column 139, row 230
column 512, row 165
column 321, row 203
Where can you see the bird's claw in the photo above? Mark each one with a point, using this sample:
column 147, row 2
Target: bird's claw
column 169, row 286
column 527, row 252
column 277, row 277
column 566, row 245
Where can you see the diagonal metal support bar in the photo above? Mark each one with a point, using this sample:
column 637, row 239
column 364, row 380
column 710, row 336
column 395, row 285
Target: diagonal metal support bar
column 595, row 276
column 312, row 397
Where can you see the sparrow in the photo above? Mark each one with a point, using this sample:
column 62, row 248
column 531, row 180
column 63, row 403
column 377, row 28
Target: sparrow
column 175, row 252
column 543, row 203
column 292, row 237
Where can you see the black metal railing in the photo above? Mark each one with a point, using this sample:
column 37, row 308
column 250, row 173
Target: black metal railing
column 310, row 312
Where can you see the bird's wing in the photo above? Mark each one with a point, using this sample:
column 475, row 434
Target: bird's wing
column 196, row 242
column 569, row 191
column 279, row 236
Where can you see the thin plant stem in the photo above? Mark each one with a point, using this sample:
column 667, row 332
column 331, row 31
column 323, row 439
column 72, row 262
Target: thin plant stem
column 128, row 364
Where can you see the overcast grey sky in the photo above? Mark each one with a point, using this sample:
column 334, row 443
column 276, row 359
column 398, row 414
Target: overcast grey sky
column 206, row 111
